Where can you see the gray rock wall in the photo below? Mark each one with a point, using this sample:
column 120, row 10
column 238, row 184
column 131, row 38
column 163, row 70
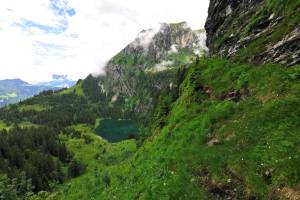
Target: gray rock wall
column 254, row 30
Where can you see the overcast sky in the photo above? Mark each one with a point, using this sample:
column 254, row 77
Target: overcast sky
column 39, row 38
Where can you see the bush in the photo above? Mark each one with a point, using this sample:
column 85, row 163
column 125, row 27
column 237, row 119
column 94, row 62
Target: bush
column 75, row 169
column 106, row 180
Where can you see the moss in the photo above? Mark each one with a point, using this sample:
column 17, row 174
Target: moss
column 254, row 49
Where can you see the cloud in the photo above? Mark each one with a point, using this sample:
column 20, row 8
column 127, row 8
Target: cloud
column 163, row 65
column 145, row 37
column 43, row 37
column 59, row 77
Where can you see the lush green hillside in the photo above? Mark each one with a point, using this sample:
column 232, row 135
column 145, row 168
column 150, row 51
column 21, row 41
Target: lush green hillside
column 16, row 90
column 200, row 128
column 230, row 136
column 105, row 163
column 222, row 139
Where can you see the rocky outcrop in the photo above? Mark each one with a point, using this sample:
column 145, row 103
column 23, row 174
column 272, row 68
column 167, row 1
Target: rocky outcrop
column 286, row 51
column 136, row 75
column 257, row 31
column 152, row 50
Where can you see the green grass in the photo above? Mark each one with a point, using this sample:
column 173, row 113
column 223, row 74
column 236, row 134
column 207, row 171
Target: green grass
column 3, row 125
column 133, row 60
column 101, row 159
column 24, row 124
column 34, row 107
column 234, row 127
column 249, row 146
column 257, row 149
column 180, row 58
column 76, row 89
column 27, row 125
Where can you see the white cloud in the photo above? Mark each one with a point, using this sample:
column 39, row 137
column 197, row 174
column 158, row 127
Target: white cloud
column 38, row 39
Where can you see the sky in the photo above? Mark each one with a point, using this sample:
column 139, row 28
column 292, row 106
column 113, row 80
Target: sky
column 39, row 38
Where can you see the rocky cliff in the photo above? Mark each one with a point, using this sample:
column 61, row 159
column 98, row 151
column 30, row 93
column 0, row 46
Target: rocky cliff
column 154, row 50
column 257, row 31
column 135, row 76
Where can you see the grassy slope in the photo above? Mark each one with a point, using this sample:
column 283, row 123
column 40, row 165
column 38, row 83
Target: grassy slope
column 104, row 161
column 77, row 89
column 210, row 146
column 3, row 125
column 256, row 151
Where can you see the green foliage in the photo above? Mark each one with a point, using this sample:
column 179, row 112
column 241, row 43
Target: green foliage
column 91, row 89
column 180, row 58
column 215, row 129
column 34, row 151
column 15, row 189
column 105, row 163
column 43, row 195
column 75, row 169
column 106, row 180
column 211, row 142
column 131, row 60
column 58, row 110
column 8, row 188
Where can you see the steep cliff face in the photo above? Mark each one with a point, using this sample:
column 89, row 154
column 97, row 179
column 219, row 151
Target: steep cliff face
column 153, row 51
column 257, row 31
column 157, row 44
column 148, row 65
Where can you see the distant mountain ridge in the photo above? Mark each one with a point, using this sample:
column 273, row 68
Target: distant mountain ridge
column 59, row 81
column 16, row 90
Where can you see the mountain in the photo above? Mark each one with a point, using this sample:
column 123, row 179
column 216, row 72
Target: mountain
column 15, row 90
column 59, row 81
column 148, row 66
column 166, row 122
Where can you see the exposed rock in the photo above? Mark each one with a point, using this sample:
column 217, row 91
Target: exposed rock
column 236, row 95
column 287, row 50
column 230, row 136
column 222, row 191
column 218, row 22
column 148, row 57
column 213, row 142
column 289, row 193
column 250, row 31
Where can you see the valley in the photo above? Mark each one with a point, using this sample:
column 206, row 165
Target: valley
column 170, row 118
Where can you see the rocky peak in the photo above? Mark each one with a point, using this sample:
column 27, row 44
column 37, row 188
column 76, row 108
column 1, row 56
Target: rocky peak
column 221, row 15
column 157, row 43
column 153, row 50
column 258, row 31
column 136, row 75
